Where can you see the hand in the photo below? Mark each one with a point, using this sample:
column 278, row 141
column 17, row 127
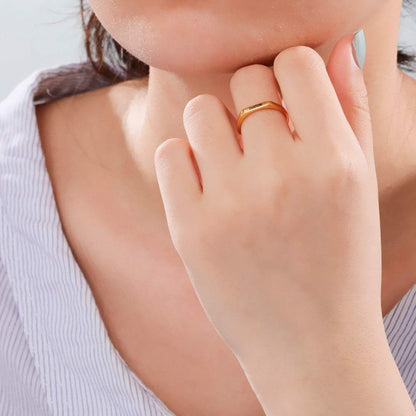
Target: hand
column 281, row 236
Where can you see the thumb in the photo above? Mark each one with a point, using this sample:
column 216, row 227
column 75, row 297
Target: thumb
column 348, row 80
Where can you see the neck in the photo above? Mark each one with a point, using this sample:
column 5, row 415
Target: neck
column 388, row 88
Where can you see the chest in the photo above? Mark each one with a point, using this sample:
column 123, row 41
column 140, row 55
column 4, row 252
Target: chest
column 145, row 299
column 157, row 324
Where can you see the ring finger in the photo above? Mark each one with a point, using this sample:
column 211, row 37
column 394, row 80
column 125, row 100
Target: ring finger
column 266, row 136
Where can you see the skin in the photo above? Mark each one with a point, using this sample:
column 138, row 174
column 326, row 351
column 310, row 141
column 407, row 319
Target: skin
column 281, row 237
column 141, row 28
column 109, row 151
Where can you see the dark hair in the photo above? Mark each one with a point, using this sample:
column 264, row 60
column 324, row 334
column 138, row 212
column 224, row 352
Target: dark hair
column 113, row 62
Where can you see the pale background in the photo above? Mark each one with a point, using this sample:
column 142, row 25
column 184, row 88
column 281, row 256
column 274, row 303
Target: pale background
column 43, row 33
column 36, row 34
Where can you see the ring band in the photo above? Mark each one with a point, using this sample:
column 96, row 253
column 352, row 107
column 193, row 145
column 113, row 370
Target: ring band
column 245, row 112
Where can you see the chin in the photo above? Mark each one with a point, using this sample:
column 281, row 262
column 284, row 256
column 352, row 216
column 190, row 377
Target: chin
column 195, row 59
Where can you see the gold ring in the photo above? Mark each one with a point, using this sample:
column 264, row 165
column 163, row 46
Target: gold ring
column 245, row 112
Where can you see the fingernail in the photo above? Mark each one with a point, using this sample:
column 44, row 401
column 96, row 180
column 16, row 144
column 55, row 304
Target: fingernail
column 359, row 47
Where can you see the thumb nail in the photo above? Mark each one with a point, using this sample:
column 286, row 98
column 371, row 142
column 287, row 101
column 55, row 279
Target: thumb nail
column 359, row 48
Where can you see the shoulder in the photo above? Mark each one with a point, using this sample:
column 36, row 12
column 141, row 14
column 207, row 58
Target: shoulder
column 68, row 101
column 85, row 121
column 43, row 91
column 20, row 155
column 50, row 84
column 77, row 110
column 42, row 85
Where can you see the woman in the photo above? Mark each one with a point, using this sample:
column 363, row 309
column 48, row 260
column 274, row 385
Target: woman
column 101, row 314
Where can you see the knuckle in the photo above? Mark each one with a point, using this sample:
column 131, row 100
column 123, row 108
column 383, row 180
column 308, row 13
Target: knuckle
column 362, row 95
column 274, row 195
column 200, row 103
column 347, row 172
column 299, row 55
column 282, row 188
column 360, row 104
column 164, row 150
column 241, row 74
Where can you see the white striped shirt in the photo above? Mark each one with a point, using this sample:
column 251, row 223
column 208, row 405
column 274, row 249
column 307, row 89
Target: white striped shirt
column 56, row 357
